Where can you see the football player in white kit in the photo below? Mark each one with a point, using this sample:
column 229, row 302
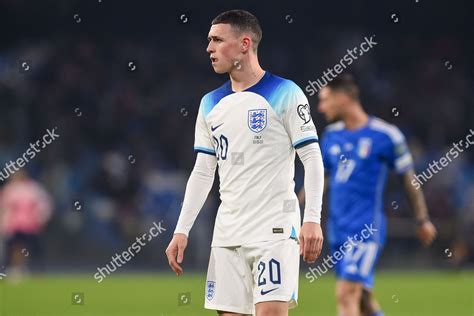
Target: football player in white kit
column 251, row 127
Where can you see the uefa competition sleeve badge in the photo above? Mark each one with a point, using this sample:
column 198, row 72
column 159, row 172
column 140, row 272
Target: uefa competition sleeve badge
column 304, row 113
column 257, row 120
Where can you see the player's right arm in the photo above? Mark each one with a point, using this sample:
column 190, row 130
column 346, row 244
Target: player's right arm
column 197, row 189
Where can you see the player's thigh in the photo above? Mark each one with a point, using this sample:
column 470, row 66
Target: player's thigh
column 348, row 290
column 271, row 308
column 275, row 270
column 229, row 282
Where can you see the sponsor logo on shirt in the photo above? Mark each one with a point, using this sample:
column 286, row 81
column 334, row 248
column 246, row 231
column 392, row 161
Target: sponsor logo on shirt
column 213, row 128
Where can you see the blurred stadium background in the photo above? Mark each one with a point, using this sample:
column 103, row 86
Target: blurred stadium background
column 122, row 82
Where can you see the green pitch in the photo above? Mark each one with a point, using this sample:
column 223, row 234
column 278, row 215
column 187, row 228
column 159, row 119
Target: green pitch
column 400, row 293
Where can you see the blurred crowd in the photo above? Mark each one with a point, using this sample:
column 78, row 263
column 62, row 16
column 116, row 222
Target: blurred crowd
column 125, row 111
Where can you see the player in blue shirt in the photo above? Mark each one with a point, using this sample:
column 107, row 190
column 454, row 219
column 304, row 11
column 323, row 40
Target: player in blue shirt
column 358, row 150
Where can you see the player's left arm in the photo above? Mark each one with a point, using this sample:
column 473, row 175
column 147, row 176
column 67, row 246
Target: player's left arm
column 304, row 138
column 302, row 195
column 326, row 166
column 402, row 161
column 311, row 236
column 426, row 231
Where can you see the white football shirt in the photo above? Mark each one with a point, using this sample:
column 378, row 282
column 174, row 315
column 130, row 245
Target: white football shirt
column 253, row 134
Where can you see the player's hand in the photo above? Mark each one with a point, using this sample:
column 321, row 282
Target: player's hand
column 426, row 233
column 175, row 252
column 311, row 241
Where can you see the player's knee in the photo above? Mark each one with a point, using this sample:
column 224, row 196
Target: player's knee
column 348, row 293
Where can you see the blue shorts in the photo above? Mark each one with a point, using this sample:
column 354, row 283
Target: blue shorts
column 356, row 263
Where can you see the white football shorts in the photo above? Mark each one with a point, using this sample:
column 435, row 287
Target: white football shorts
column 240, row 277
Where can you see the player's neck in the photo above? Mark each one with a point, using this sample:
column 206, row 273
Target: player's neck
column 245, row 77
column 356, row 119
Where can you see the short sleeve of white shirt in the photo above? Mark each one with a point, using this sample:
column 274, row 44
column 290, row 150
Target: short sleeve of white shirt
column 202, row 139
column 297, row 118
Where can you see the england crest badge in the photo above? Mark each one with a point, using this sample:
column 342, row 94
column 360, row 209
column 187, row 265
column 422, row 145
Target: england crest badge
column 210, row 290
column 257, row 120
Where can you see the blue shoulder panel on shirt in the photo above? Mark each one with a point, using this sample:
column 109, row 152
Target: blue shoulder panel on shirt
column 210, row 100
column 276, row 90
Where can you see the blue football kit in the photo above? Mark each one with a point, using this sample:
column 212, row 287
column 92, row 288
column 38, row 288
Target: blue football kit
column 357, row 162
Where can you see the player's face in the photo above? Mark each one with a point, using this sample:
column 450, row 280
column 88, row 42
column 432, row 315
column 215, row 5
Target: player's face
column 330, row 104
column 223, row 48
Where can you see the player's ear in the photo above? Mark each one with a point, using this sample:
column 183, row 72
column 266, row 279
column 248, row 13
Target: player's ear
column 245, row 44
column 345, row 98
column 340, row 97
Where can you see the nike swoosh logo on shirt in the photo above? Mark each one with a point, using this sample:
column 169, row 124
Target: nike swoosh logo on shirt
column 266, row 292
column 216, row 127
